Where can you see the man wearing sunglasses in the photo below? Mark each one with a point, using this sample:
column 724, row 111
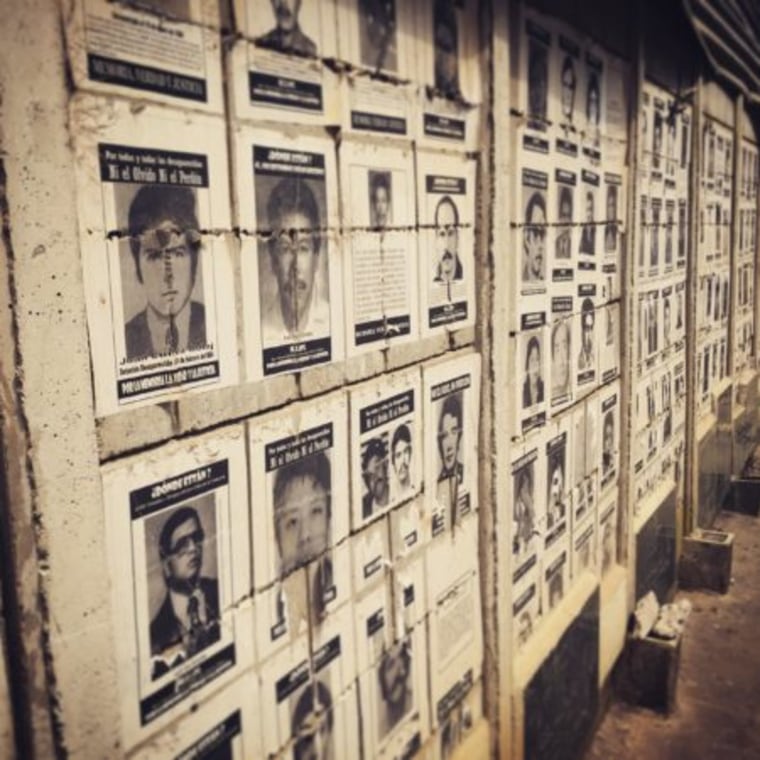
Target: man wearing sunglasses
column 188, row 619
column 165, row 242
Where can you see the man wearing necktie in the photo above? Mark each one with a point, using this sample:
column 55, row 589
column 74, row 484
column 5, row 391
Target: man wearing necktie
column 165, row 243
column 188, row 619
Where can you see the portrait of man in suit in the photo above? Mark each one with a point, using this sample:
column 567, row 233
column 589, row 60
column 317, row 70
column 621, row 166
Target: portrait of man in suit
column 287, row 36
column 165, row 244
column 312, row 724
column 446, row 218
column 188, row 619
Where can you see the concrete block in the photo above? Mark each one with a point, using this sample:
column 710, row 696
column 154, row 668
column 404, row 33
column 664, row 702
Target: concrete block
column 647, row 674
column 463, row 337
column 366, row 365
column 744, row 496
column 134, row 429
column 706, row 560
column 404, row 354
column 320, row 379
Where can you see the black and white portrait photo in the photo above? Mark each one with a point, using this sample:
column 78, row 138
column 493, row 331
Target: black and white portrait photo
column 301, row 499
column 561, row 353
column 446, row 46
column 182, row 575
column 538, row 79
column 568, row 86
column 534, row 239
column 287, row 36
column 312, row 724
column 448, row 264
column 587, row 244
column 523, row 510
column 402, row 461
column 610, row 227
column 593, row 99
column 449, row 440
column 378, row 43
column 375, row 466
column 395, row 686
column 533, row 382
column 380, row 199
column 587, row 353
column 555, row 488
column 162, row 275
column 563, row 241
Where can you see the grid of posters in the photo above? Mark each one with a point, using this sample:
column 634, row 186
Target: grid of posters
column 660, row 292
column 178, row 584
column 290, row 266
column 155, row 281
column 161, row 50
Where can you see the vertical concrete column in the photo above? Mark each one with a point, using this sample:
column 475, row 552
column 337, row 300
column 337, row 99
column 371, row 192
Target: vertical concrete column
column 61, row 653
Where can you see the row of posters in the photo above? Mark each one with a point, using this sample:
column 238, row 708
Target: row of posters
column 324, row 276
column 170, row 51
column 311, row 553
column 564, row 506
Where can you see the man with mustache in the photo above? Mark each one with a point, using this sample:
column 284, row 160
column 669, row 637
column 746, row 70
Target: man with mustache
column 287, row 36
column 401, row 452
column 446, row 219
column 375, row 474
column 188, row 619
column 294, row 249
column 165, row 244
column 394, row 672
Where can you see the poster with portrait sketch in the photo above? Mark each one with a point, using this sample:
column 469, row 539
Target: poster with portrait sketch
column 288, row 207
column 378, row 36
column 536, row 44
column 380, row 246
column 589, row 212
column 165, row 51
column 297, row 468
column 585, row 360
column 528, row 513
column 226, row 726
column 446, row 191
column 386, row 445
column 289, row 699
column 178, row 584
column 609, row 359
column 533, row 231
column 609, row 420
column 560, row 354
column 563, row 227
column 531, row 370
column 451, row 389
column 155, row 281
column 276, row 70
column 456, row 648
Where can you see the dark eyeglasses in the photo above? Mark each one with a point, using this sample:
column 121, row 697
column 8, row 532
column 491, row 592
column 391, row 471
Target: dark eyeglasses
column 189, row 541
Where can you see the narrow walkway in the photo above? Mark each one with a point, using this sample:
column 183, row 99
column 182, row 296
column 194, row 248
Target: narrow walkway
column 717, row 713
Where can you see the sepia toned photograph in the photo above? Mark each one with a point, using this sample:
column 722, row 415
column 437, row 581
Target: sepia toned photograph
column 378, row 44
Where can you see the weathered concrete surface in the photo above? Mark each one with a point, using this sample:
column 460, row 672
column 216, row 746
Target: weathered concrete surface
column 716, row 713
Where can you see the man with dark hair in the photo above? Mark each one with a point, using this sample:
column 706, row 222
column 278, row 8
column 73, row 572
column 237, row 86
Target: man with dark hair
column 377, row 34
column 375, row 475
column 564, row 229
column 401, row 453
column 586, row 356
column 446, row 220
column 394, row 675
column 294, row 249
column 312, row 724
column 287, row 36
column 380, row 199
column 450, row 438
column 165, row 242
column 568, row 81
column 588, row 231
column 593, row 104
column 608, row 443
column 555, row 510
column 446, row 48
column 534, row 239
column 301, row 497
column 188, row 619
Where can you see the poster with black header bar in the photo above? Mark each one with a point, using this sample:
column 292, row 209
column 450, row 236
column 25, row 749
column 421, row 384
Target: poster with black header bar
column 277, row 68
column 154, row 275
column 589, row 213
column 380, row 286
column 533, row 228
column 532, row 354
column 564, row 227
column 446, row 203
column 157, row 51
column 386, row 440
column 586, row 360
column 451, row 392
column 296, row 458
column 180, row 580
column 561, row 352
column 294, row 256
column 528, row 513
